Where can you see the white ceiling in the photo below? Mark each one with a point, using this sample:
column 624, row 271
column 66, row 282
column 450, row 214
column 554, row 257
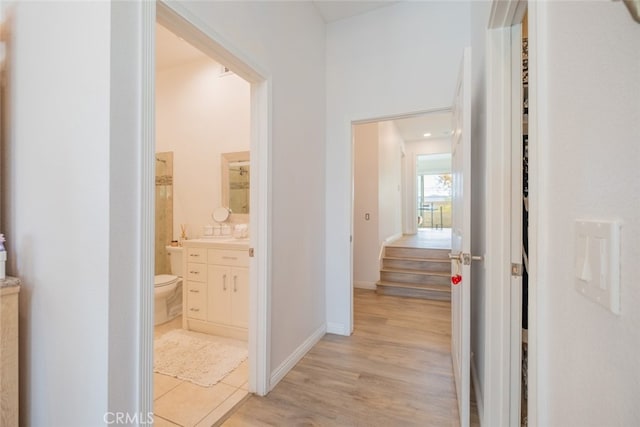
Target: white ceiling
column 172, row 50
column 333, row 10
column 413, row 128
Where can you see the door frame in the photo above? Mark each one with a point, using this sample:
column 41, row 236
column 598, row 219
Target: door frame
column 181, row 21
column 500, row 342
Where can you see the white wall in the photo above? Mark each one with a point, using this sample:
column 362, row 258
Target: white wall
column 431, row 146
column 366, row 270
column 57, row 208
column 397, row 59
column 287, row 39
column 390, row 146
column 377, row 191
column 70, row 212
column 199, row 116
column 588, row 154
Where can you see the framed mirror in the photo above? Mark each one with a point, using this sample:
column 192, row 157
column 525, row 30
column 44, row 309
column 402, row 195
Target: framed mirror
column 236, row 173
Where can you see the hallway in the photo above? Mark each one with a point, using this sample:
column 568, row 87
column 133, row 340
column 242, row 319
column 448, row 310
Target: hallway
column 394, row 370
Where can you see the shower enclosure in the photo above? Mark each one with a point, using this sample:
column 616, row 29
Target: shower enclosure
column 164, row 210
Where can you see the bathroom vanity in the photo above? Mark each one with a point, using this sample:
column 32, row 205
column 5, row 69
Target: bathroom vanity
column 216, row 287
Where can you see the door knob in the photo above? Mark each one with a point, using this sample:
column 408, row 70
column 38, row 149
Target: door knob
column 464, row 258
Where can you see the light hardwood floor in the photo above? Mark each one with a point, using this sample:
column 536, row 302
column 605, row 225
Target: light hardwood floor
column 395, row 370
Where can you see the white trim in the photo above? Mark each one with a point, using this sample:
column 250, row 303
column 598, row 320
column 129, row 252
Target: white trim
column 498, row 339
column 392, row 238
column 536, row 86
column 497, row 308
column 364, row 285
column 260, row 223
column 498, row 230
column 477, row 390
column 338, row 328
column 147, row 206
column 505, row 13
column 291, row 361
column 515, row 287
column 206, row 39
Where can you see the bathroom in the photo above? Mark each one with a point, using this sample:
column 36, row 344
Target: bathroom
column 202, row 179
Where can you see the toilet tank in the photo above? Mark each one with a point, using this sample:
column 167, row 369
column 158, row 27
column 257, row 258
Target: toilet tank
column 175, row 258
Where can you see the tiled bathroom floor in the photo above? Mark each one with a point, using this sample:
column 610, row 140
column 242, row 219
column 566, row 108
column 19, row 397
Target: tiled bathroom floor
column 181, row 403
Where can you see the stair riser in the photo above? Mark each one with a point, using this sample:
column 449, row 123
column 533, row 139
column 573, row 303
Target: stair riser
column 426, row 279
column 405, row 264
column 391, row 251
column 414, row 293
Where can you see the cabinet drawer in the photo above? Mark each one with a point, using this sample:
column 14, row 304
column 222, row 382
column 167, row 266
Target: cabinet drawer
column 228, row 257
column 196, row 272
column 196, row 255
column 196, row 301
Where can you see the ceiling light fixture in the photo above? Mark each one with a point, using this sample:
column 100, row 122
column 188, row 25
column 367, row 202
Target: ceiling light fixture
column 427, row 135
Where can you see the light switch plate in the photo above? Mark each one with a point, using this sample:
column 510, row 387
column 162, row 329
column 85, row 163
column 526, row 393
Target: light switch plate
column 597, row 262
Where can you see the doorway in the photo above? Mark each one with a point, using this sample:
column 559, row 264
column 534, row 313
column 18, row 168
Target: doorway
column 190, row 29
column 402, row 184
column 200, row 334
column 433, row 185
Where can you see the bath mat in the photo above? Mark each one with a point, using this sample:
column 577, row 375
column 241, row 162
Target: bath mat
column 199, row 358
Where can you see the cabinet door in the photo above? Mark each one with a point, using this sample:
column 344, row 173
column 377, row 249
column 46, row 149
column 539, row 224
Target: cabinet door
column 240, row 297
column 218, row 294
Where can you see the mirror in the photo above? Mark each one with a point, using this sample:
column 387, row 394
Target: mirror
column 220, row 214
column 235, row 181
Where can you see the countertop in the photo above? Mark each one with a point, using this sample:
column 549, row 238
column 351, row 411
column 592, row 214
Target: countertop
column 9, row 285
column 218, row 243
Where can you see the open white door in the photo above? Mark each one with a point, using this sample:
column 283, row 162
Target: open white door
column 460, row 238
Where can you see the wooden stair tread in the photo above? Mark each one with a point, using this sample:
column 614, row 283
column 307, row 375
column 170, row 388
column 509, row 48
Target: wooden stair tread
column 408, row 290
column 401, row 252
column 439, row 288
column 421, row 272
column 414, row 247
column 405, row 258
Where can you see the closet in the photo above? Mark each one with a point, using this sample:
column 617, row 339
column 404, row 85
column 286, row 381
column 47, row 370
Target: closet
column 525, row 216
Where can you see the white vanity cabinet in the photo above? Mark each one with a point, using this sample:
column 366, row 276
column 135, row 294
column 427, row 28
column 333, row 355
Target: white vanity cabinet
column 195, row 291
column 216, row 294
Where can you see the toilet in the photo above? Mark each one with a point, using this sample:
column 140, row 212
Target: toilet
column 168, row 289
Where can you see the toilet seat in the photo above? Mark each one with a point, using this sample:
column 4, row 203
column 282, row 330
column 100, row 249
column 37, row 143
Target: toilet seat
column 162, row 280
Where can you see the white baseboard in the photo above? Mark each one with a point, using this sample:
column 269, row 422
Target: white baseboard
column 392, row 238
column 338, row 329
column 365, row 285
column 478, row 391
column 288, row 364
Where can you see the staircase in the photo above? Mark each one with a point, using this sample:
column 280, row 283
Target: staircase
column 415, row 272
